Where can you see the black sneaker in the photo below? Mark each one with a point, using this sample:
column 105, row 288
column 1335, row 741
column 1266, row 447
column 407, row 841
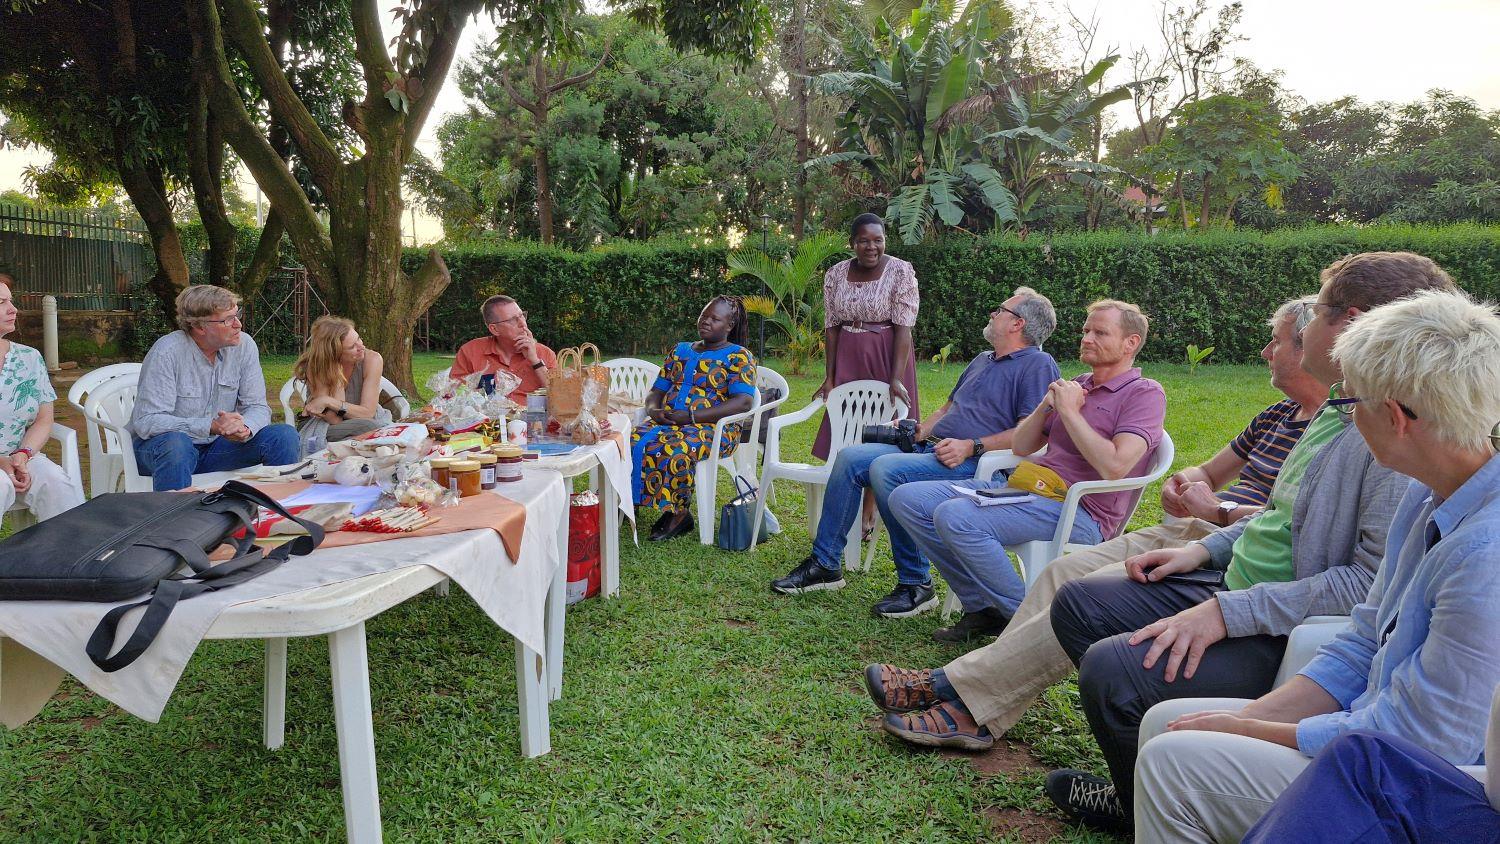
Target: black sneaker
column 1087, row 799
column 986, row 622
column 808, row 577
column 906, row 601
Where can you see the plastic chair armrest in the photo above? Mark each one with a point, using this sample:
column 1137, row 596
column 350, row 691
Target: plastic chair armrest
column 992, row 462
column 67, row 440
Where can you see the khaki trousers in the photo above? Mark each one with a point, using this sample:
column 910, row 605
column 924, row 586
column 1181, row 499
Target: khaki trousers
column 999, row 681
column 1203, row 786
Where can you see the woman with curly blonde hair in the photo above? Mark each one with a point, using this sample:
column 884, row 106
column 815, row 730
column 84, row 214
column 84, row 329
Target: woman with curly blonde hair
column 343, row 383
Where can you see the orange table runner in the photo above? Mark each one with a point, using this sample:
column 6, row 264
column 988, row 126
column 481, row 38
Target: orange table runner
column 486, row 510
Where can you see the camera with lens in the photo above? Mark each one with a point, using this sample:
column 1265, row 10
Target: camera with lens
column 902, row 435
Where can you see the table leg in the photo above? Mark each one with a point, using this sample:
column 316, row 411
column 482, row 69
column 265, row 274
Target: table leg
column 531, row 692
column 441, row 590
column 356, row 731
column 557, row 605
column 609, row 535
column 273, row 714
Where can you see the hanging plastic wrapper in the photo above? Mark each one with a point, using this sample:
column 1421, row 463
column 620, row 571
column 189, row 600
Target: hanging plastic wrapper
column 587, row 429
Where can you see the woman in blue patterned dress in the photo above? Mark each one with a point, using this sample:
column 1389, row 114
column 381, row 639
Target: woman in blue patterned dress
column 699, row 384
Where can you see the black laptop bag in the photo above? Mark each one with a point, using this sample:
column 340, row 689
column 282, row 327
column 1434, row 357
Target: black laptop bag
column 124, row 545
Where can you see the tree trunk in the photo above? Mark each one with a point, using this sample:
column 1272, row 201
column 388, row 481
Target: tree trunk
column 147, row 191
column 799, row 94
column 1203, row 217
column 1181, row 199
column 543, row 190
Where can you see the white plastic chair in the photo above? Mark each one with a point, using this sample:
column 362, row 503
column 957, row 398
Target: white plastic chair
column 632, row 377
column 706, row 475
column 850, row 407
column 110, row 407
column 1303, row 642
column 104, row 458
column 1035, row 555
column 67, row 441
column 295, row 385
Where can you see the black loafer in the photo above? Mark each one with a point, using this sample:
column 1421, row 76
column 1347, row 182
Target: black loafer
column 986, row 622
column 683, row 528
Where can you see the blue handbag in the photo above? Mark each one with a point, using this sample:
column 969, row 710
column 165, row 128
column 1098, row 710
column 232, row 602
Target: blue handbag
column 737, row 519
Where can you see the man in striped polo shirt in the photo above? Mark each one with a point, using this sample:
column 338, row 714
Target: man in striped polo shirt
column 980, row 695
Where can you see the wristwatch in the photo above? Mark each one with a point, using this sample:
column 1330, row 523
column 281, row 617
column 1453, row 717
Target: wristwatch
column 978, row 447
column 1225, row 510
column 539, row 365
column 343, row 411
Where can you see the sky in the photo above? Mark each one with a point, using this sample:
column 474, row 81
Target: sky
column 1375, row 50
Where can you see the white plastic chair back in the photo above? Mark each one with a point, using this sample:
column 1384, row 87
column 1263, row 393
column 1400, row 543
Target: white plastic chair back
column 295, row 385
column 853, row 405
column 632, row 377
column 67, row 442
column 110, row 407
column 104, row 456
column 1314, row 632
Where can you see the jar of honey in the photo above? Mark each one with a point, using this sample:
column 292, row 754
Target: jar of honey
column 508, row 463
column 441, row 474
column 486, row 462
column 465, row 474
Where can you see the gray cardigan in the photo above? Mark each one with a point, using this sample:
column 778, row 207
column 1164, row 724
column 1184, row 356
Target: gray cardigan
column 1339, row 521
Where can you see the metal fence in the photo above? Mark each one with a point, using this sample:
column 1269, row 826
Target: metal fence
column 88, row 260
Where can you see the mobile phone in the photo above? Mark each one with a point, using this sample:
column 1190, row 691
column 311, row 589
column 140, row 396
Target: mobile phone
column 1197, row 577
column 1002, row 492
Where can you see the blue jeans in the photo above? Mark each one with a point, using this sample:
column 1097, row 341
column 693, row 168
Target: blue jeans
column 1373, row 787
column 171, row 459
column 967, row 542
column 882, row 468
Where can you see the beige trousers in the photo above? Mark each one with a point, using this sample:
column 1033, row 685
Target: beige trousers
column 1202, row 786
column 999, row 681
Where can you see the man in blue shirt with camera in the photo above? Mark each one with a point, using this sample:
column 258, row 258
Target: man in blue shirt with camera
column 996, row 391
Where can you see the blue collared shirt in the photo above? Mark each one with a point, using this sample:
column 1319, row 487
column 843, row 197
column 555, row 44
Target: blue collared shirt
column 995, row 392
column 1422, row 656
column 180, row 390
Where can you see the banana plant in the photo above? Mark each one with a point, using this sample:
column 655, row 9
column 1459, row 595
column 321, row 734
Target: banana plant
column 909, row 79
column 795, row 284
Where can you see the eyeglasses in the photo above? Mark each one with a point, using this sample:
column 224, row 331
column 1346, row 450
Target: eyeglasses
column 519, row 316
column 1345, row 404
column 1333, row 310
column 234, row 317
column 1000, row 308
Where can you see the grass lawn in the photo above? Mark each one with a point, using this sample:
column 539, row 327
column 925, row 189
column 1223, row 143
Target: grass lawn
column 697, row 707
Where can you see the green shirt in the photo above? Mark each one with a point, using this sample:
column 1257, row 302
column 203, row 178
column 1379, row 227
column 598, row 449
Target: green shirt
column 1263, row 553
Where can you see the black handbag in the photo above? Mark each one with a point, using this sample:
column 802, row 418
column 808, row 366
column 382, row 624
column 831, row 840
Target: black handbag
column 121, row 545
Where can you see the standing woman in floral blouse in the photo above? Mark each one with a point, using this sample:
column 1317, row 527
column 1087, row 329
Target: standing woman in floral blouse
column 869, row 308
column 26, row 398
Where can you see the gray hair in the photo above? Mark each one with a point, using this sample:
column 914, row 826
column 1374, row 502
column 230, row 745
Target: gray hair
column 1438, row 353
column 1036, row 310
column 201, row 301
column 1300, row 310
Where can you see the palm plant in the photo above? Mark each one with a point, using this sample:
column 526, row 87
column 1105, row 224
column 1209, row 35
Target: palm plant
column 795, row 303
column 894, row 127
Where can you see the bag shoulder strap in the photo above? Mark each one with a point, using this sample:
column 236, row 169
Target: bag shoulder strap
column 250, row 561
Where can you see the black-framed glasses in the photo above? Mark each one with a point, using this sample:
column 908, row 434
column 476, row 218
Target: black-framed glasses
column 520, row 315
column 999, row 308
column 237, row 316
column 1345, row 404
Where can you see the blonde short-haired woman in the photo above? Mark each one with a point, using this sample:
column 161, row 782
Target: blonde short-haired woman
column 343, row 384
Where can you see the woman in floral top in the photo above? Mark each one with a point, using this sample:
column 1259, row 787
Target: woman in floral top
column 869, row 307
column 26, row 398
column 699, row 384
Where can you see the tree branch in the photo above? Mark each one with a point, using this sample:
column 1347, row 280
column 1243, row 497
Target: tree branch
column 533, row 106
column 582, row 77
column 270, row 171
column 369, row 47
column 450, row 20
column 245, row 30
column 267, row 255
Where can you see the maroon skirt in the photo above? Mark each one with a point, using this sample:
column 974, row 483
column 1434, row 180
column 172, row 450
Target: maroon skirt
column 867, row 355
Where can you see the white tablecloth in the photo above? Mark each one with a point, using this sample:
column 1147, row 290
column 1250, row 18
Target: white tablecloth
column 513, row 595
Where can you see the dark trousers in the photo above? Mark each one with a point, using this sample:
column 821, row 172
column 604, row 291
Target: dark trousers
column 1094, row 619
column 1370, row 787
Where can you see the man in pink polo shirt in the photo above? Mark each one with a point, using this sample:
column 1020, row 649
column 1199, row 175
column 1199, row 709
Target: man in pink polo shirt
column 1104, row 424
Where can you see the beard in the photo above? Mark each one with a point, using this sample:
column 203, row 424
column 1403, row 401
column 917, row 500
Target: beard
column 989, row 333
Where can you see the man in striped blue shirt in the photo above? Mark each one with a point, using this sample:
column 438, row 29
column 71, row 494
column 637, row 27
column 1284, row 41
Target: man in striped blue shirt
column 982, row 694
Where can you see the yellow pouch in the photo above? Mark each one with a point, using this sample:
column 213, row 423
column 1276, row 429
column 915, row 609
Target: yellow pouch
column 1038, row 480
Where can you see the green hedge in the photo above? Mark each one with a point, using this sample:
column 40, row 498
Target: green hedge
column 1212, row 289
